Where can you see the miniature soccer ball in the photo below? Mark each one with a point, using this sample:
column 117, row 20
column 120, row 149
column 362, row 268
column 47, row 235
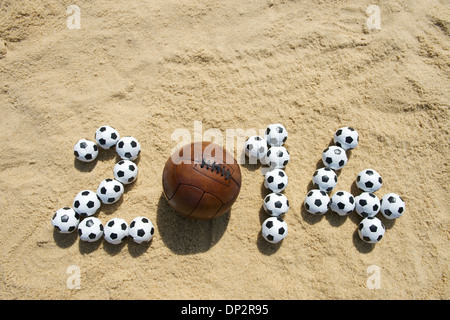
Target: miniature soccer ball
column 274, row 229
column 369, row 180
column 106, row 137
column 371, row 230
column 367, row 204
column 110, row 191
column 65, row 220
column 277, row 157
column 346, row 137
column 276, row 204
column 317, row 201
column 128, row 148
column 325, row 179
column 255, row 147
column 334, row 157
column 276, row 180
column 85, row 150
column 86, row 203
column 342, row 202
column 116, row 231
column 90, row 229
column 392, row 206
column 126, row 171
column 276, row 134
column 141, row 230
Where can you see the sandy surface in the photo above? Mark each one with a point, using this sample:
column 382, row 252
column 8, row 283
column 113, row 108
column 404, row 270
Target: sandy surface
column 151, row 67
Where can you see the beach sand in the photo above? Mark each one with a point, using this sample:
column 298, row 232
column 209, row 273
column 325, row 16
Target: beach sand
column 149, row 68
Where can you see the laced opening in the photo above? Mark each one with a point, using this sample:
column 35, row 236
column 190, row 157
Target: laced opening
column 217, row 168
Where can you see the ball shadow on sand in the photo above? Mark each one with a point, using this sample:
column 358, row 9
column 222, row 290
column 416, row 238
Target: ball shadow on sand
column 185, row 236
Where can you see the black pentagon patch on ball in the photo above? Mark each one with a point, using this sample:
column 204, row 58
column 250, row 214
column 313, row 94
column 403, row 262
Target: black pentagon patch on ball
column 111, row 200
column 270, row 237
column 133, row 144
column 270, row 179
column 141, row 233
column 369, row 184
column 76, row 204
column 362, row 202
column 341, row 163
column 341, row 205
column 281, row 185
column 83, row 145
column 76, row 154
column 88, row 156
column 92, row 236
column 72, row 228
column 388, row 212
column 120, row 145
column 278, row 204
column 113, row 235
column 90, row 204
column 369, row 172
column 392, row 199
column 145, row 220
column 113, row 136
column 349, row 139
column 373, row 228
column 325, row 178
column 102, row 141
column 269, row 224
column 127, row 155
column 318, row 202
column 279, row 154
column 329, row 160
column 120, row 173
column 103, row 190
column 123, row 226
column 64, row 218
column 339, row 132
column 116, row 188
column 281, row 231
column 366, row 238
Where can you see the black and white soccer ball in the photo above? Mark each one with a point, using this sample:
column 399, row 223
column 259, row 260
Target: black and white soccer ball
column 369, row 180
column 325, row 179
column 317, row 202
column 256, row 148
column 109, row 191
column 276, row 204
column 85, row 150
column 371, row 230
column 106, row 137
column 334, row 157
column 342, row 202
column 65, row 220
column 392, row 206
column 90, row 229
column 276, row 180
column 115, row 231
column 141, row 229
column 128, row 148
column 274, row 229
column 277, row 157
column 347, row 138
column 86, row 203
column 275, row 134
column 367, row 204
column 126, row 171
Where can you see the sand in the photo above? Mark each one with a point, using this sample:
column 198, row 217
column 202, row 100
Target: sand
column 149, row 68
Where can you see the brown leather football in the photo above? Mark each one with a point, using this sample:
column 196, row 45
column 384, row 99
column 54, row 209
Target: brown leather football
column 201, row 180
